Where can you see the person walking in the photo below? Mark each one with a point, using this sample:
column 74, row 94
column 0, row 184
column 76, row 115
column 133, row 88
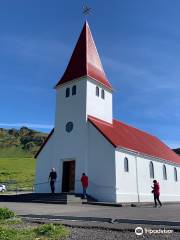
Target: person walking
column 156, row 192
column 85, row 182
column 52, row 179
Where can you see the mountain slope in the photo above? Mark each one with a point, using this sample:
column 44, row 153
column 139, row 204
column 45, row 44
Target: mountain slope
column 24, row 142
column 177, row 151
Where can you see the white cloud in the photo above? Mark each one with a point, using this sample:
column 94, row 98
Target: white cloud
column 119, row 66
column 36, row 49
column 29, row 125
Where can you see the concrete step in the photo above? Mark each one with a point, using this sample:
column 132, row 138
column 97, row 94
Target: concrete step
column 57, row 198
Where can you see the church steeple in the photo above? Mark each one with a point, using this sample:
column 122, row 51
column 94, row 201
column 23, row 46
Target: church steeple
column 85, row 61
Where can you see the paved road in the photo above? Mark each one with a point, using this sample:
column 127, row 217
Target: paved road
column 166, row 213
column 88, row 230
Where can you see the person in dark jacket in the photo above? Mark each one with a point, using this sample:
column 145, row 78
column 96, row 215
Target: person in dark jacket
column 52, row 179
column 84, row 181
column 156, row 192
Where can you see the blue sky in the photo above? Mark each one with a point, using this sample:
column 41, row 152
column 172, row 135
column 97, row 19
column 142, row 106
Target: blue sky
column 139, row 45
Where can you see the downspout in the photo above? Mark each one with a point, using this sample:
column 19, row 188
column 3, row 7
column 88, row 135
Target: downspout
column 137, row 182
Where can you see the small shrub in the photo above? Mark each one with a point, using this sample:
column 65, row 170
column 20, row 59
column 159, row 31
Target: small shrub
column 51, row 231
column 6, row 213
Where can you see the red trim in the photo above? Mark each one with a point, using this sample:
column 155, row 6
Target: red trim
column 46, row 140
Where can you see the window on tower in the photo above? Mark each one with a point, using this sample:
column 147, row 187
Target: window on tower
column 74, row 90
column 67, row 92
column 102, row 94
column 69, row 127
column 97, row 91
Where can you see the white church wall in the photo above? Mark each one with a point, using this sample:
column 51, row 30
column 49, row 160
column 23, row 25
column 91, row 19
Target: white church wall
column 169, row 189
column 96, row 106
column 101, row 166
column 71, row 145
column 135, row 185
column 126, row 187
column 44, row 163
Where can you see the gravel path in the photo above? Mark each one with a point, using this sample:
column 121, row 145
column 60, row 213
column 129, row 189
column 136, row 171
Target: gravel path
column 81, row 230
column 98, row 234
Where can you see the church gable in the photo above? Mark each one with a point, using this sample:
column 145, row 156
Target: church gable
column 42, row 146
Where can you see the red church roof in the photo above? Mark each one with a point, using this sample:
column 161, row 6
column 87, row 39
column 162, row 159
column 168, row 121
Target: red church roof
column 125, row 136
column 85, row 61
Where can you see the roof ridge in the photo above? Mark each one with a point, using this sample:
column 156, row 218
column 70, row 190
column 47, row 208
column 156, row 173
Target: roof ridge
column 99, row 120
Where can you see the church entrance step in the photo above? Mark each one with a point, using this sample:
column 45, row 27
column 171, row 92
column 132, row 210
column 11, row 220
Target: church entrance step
column 56, row 198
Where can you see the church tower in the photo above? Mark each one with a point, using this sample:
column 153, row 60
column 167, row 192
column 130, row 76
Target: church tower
column 83, row 89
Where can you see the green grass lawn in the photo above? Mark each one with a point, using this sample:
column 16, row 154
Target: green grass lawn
column 13, row 228
column 21, row 170
column 16, row 152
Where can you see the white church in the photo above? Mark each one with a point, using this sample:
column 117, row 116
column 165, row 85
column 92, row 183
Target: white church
column 121, row 161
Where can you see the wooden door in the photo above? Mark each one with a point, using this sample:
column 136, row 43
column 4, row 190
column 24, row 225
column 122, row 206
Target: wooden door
column 71, row 176
column 68, row 177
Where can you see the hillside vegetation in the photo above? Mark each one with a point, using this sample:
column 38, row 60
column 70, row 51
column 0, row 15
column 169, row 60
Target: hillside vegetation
column 20, row 143
column 17, row 150
column 177, row 151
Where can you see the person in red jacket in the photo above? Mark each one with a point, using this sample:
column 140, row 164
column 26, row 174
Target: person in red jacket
column 156, row 192
column 84, row 181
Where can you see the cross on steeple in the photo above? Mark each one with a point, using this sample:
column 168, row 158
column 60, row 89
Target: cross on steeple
column 86, row 10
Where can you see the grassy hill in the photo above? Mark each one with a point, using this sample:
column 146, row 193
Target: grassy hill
column 177, row 151
column 20, row 143
column 17, row 150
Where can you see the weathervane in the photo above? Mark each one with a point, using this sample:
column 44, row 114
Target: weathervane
column 86, row 10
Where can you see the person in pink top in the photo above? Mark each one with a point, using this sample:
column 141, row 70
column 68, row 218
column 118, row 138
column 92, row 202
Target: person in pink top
column 156, row 192
column 85, row 182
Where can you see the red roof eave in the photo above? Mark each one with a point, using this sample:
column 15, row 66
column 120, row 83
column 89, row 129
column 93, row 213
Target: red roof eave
column 131, row 139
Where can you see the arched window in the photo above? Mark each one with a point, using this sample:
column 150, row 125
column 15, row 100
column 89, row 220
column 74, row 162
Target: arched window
column 102, row 94
column 151, row 169
column 74, row 90
column 67, row 92
column 175, row 174
column 126, row 164
column 164, row 172
column 97, row 91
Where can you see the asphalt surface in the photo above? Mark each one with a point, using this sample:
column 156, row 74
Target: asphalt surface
column 168, row 213
column 88, row 222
